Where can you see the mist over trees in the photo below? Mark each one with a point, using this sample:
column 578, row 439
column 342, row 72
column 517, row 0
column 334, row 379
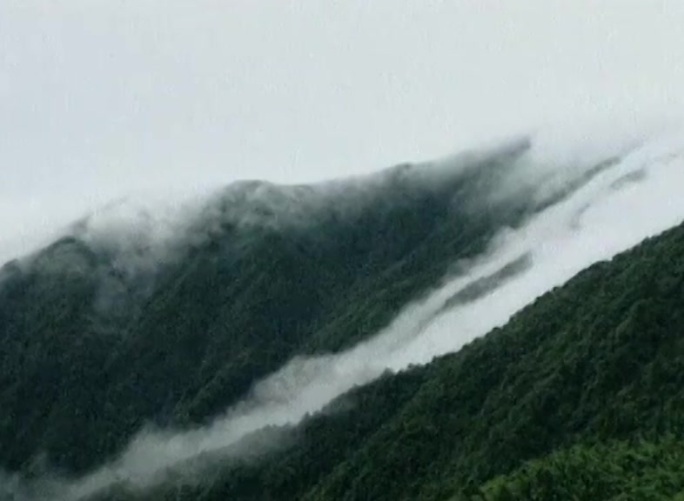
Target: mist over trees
column 579, row 395
column 185, row 370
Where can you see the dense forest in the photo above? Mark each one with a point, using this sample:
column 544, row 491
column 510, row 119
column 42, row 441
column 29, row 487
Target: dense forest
column 579, row 396
column 90, row 350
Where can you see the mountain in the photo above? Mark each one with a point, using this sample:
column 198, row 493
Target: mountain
column 174, row 359
column 579, row 396
column 92, row 347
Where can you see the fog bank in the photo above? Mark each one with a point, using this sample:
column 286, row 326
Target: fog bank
column 637, row 194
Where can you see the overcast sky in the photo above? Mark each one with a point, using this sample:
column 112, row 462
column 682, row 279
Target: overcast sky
column 100, row 98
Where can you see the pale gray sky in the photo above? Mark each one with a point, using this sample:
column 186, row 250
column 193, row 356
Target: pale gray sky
column 100, row 98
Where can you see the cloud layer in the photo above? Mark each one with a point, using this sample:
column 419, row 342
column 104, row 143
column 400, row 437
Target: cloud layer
column 635, row 194
column 98, row 100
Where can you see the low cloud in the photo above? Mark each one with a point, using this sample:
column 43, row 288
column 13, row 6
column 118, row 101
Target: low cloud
column 636, row 195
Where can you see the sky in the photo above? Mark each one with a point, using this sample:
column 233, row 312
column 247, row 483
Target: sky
column 100, row 99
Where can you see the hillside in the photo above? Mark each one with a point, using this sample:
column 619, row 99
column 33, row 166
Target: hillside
column 193, row 358
column 586, row 383
column 95, row 343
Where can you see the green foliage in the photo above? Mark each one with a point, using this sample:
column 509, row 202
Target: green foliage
column 580, row 393
column 89, row 354
column 591, row 370
column 610, row 471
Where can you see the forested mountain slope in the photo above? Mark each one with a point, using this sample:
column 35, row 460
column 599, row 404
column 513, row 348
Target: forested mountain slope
column 95, row 341
column 587, row 383
column 138, row 360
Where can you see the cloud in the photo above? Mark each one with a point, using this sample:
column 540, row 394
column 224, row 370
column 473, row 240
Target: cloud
column 98, row 100
column 634, row 197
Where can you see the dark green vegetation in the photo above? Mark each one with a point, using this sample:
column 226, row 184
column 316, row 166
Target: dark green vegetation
column 580, row 396
column 614, row 470
column 90, row 351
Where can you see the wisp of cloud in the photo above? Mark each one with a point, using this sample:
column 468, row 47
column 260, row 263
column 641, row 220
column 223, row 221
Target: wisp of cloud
column 636, row 195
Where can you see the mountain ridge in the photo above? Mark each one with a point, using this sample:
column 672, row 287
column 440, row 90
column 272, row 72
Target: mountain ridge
column 233, row 266
column 415, row 436
column 253, row 322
